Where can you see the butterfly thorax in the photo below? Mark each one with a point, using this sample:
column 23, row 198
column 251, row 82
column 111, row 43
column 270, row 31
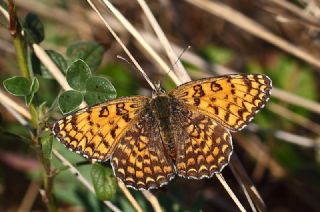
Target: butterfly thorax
column 162, row 111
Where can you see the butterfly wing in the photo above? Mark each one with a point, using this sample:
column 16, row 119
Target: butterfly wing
column 94, row 131
column 140, row 160
column 203, row 146
column 232, row 100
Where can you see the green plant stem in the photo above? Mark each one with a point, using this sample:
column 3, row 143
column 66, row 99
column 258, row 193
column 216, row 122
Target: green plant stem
column 19, row 46
column 48, row 184
column 47, row 173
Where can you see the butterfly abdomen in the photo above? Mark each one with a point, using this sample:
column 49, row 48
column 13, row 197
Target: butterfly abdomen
column 162, row 111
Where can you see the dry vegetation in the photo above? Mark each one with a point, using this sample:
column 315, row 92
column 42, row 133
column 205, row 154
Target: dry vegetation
column 276, row 162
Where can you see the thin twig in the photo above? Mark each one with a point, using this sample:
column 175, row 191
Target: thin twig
column 227, row 13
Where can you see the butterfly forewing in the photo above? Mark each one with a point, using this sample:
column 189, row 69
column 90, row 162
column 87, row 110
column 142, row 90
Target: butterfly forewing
column 232, row 100
column 94, row 131
column 140, row 160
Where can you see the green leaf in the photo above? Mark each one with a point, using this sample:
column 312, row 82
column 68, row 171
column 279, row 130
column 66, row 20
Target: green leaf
column 33, row 28
column 29, row 98
column 34, row 88
column 99, row 89
column 18, row 86
column 69, row 101
column 34, row 85
column 91, row 52
column 46, row 142
column 77, row 74
column 104, row 181
column 58, row 59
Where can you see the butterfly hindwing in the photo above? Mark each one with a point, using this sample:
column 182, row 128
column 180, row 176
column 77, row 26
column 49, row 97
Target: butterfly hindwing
column 232, row 100
column 93, row 131
column 140, row 160
column 203, row 146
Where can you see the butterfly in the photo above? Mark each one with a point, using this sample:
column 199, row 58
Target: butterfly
column 185, row 132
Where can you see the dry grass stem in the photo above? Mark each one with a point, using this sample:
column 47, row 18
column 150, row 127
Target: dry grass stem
column 257, row 149
column 252, row 195
column 134, row 32
column 82, row 179
column 230, row 192
column 296, row 11
column 5, row 13
column 153, row 200
column 51, row 66
column 29, row 197
column 295, row 139
column 129, row 196
column 53, row 69
column 295, row 100
column 122, row 45
column 5, row 100
column 294, row 117
column 180, row 70
column 280, row 94
column 227, row 13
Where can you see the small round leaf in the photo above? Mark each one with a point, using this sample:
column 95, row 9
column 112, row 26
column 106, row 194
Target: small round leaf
column 104, row 182
column 69, row 101
column 99, row 89
column 18, row 86
column 58, row 59
column 77, row 74
column 91, row 52
column 34, row 28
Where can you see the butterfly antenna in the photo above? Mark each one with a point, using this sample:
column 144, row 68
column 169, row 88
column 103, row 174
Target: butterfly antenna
column 135, row 68
column 180, row 55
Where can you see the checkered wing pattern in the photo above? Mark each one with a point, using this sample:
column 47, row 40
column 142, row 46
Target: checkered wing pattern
column 140, row 159
column 94, row 132
column 231, row 100
column 203, row 146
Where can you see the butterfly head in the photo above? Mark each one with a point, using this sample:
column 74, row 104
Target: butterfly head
column 158, row 90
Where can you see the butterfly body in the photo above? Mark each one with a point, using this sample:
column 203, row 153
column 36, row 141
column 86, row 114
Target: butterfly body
column 185, row 132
